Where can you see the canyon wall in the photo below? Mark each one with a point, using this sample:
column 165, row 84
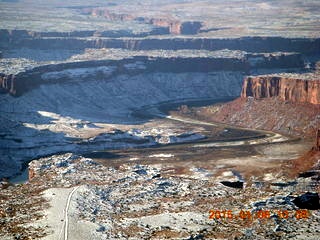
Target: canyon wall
column 18, row 84
column 285, row 103
column 83, row 101
column 23, row 82
column 20, row 38
column 13, row 36
column 244, row 44
column 285, row 88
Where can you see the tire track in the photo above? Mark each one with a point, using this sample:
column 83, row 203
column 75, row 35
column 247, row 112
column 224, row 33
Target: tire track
column 66, row 219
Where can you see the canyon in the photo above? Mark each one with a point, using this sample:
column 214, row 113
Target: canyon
column 123, row 120
column 28, row 80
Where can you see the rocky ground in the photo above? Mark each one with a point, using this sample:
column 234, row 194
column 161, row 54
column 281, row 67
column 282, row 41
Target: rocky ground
column 149, row 202
column 173, row 192
column 187, row 191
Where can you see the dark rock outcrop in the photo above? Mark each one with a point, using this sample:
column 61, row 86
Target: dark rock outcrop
column 307, row 201
column 190, row 27
column 308, row 174
column 236, row 184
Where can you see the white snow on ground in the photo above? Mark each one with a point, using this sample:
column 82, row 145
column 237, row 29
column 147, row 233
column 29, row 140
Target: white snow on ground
column 133, row 200
column 77, row 73
column 55, row 214
column 176, row 221
column 68, row 125
column 200, row 173
column 161, row 155
column 94, row 211
column 62, row 211
column 166, row 136
column 272, row 138
column 185, row 120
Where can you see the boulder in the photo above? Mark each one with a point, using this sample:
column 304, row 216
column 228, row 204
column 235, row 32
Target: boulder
column 307, row 201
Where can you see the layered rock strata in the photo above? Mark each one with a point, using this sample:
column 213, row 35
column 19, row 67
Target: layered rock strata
column 81, row 40
column 286, row 103
column 67, row 72
column 104, row 69
column 285, row 88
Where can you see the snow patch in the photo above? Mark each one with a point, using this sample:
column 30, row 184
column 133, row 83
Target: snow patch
column 161, row 155
column 76, row 73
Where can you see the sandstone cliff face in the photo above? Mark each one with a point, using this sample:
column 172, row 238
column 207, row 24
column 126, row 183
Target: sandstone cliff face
column 284, row 88
column 108, row 15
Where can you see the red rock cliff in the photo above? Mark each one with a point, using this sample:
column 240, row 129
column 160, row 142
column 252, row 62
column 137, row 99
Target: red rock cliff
column 294, row 89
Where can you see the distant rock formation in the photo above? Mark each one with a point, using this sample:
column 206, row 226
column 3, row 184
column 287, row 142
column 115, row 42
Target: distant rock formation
column 6, row 83
column 236, row 184
column 173, row 26
column 177, row 27
column 285, row 88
